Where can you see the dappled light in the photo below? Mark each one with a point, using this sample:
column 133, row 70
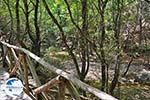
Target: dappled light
column 75, row 49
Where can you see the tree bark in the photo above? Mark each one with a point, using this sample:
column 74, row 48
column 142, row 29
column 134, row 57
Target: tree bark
column 37, row 43
column 101, row 9
column 7, row 2
column 17, row 20
column 117, row 25
column 63, row 37
column 69, row 77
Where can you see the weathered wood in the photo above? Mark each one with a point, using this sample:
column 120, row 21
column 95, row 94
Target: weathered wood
column 72, row 90
column 34, row 74
column 74, row 80
column 18, row 65
column 47, row 85
column 29, row 94
column 9, row 63
column 13, row 70
column 33, row 71
column 25, row 67
column 61, row 93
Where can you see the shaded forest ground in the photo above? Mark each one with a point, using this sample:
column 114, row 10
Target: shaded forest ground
column 128, row 89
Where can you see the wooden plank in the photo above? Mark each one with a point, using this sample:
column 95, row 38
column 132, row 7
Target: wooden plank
column 61, row 93
column 33, row 71
column 47, row 85
column 72, row 90
column 18, row 65
column 25, row 67
column 100, row 94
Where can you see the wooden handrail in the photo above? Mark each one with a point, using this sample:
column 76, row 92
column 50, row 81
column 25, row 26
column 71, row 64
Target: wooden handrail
column 69, row 77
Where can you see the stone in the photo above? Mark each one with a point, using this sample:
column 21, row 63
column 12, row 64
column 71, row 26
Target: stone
column 143, row 77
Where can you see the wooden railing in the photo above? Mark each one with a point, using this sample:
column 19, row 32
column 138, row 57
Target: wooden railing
column 23, row 64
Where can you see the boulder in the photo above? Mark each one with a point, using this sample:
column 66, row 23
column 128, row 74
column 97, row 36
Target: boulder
column 143, row 77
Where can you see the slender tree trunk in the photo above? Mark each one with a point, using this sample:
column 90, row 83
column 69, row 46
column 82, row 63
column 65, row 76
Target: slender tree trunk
column 17, row 20
column 125, row 73
column 117, row 26
column 27, row 24
column 7, row 2
column 18, row 30
column 101, row 9
column 103, row 61
column 36, row 44
column 83, row 42
column 63, row 37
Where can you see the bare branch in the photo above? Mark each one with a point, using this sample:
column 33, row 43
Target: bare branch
column 69, row 77
column 63, row 36
column 70, row 13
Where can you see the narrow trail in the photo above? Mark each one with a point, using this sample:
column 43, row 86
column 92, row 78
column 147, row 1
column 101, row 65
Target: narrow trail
column 3, row 96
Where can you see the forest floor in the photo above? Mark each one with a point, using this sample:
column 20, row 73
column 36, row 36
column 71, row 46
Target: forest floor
column 128, row 89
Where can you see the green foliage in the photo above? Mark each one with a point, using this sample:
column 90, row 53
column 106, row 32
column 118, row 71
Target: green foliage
column 51, row 38
column 134, row 93
column 54, row 61
column 93, row 83
column 52, row 49
column 55, row 57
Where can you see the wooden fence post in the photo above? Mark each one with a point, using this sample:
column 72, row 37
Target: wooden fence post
column 72, row 90
column 61, row 93
column 78, row 83
column 25, row 67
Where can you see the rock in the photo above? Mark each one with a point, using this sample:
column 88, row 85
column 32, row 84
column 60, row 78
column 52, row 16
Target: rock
column 124, row 80
column 131, row 81
column 143, row 77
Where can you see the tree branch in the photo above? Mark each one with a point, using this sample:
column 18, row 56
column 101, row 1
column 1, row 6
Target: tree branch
column 69, row 77
column 70, row 13
column 63, row 36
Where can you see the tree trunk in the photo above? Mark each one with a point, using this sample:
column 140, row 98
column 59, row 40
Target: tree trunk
column 117, row 25
column 101, row 10
column 37, row 44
